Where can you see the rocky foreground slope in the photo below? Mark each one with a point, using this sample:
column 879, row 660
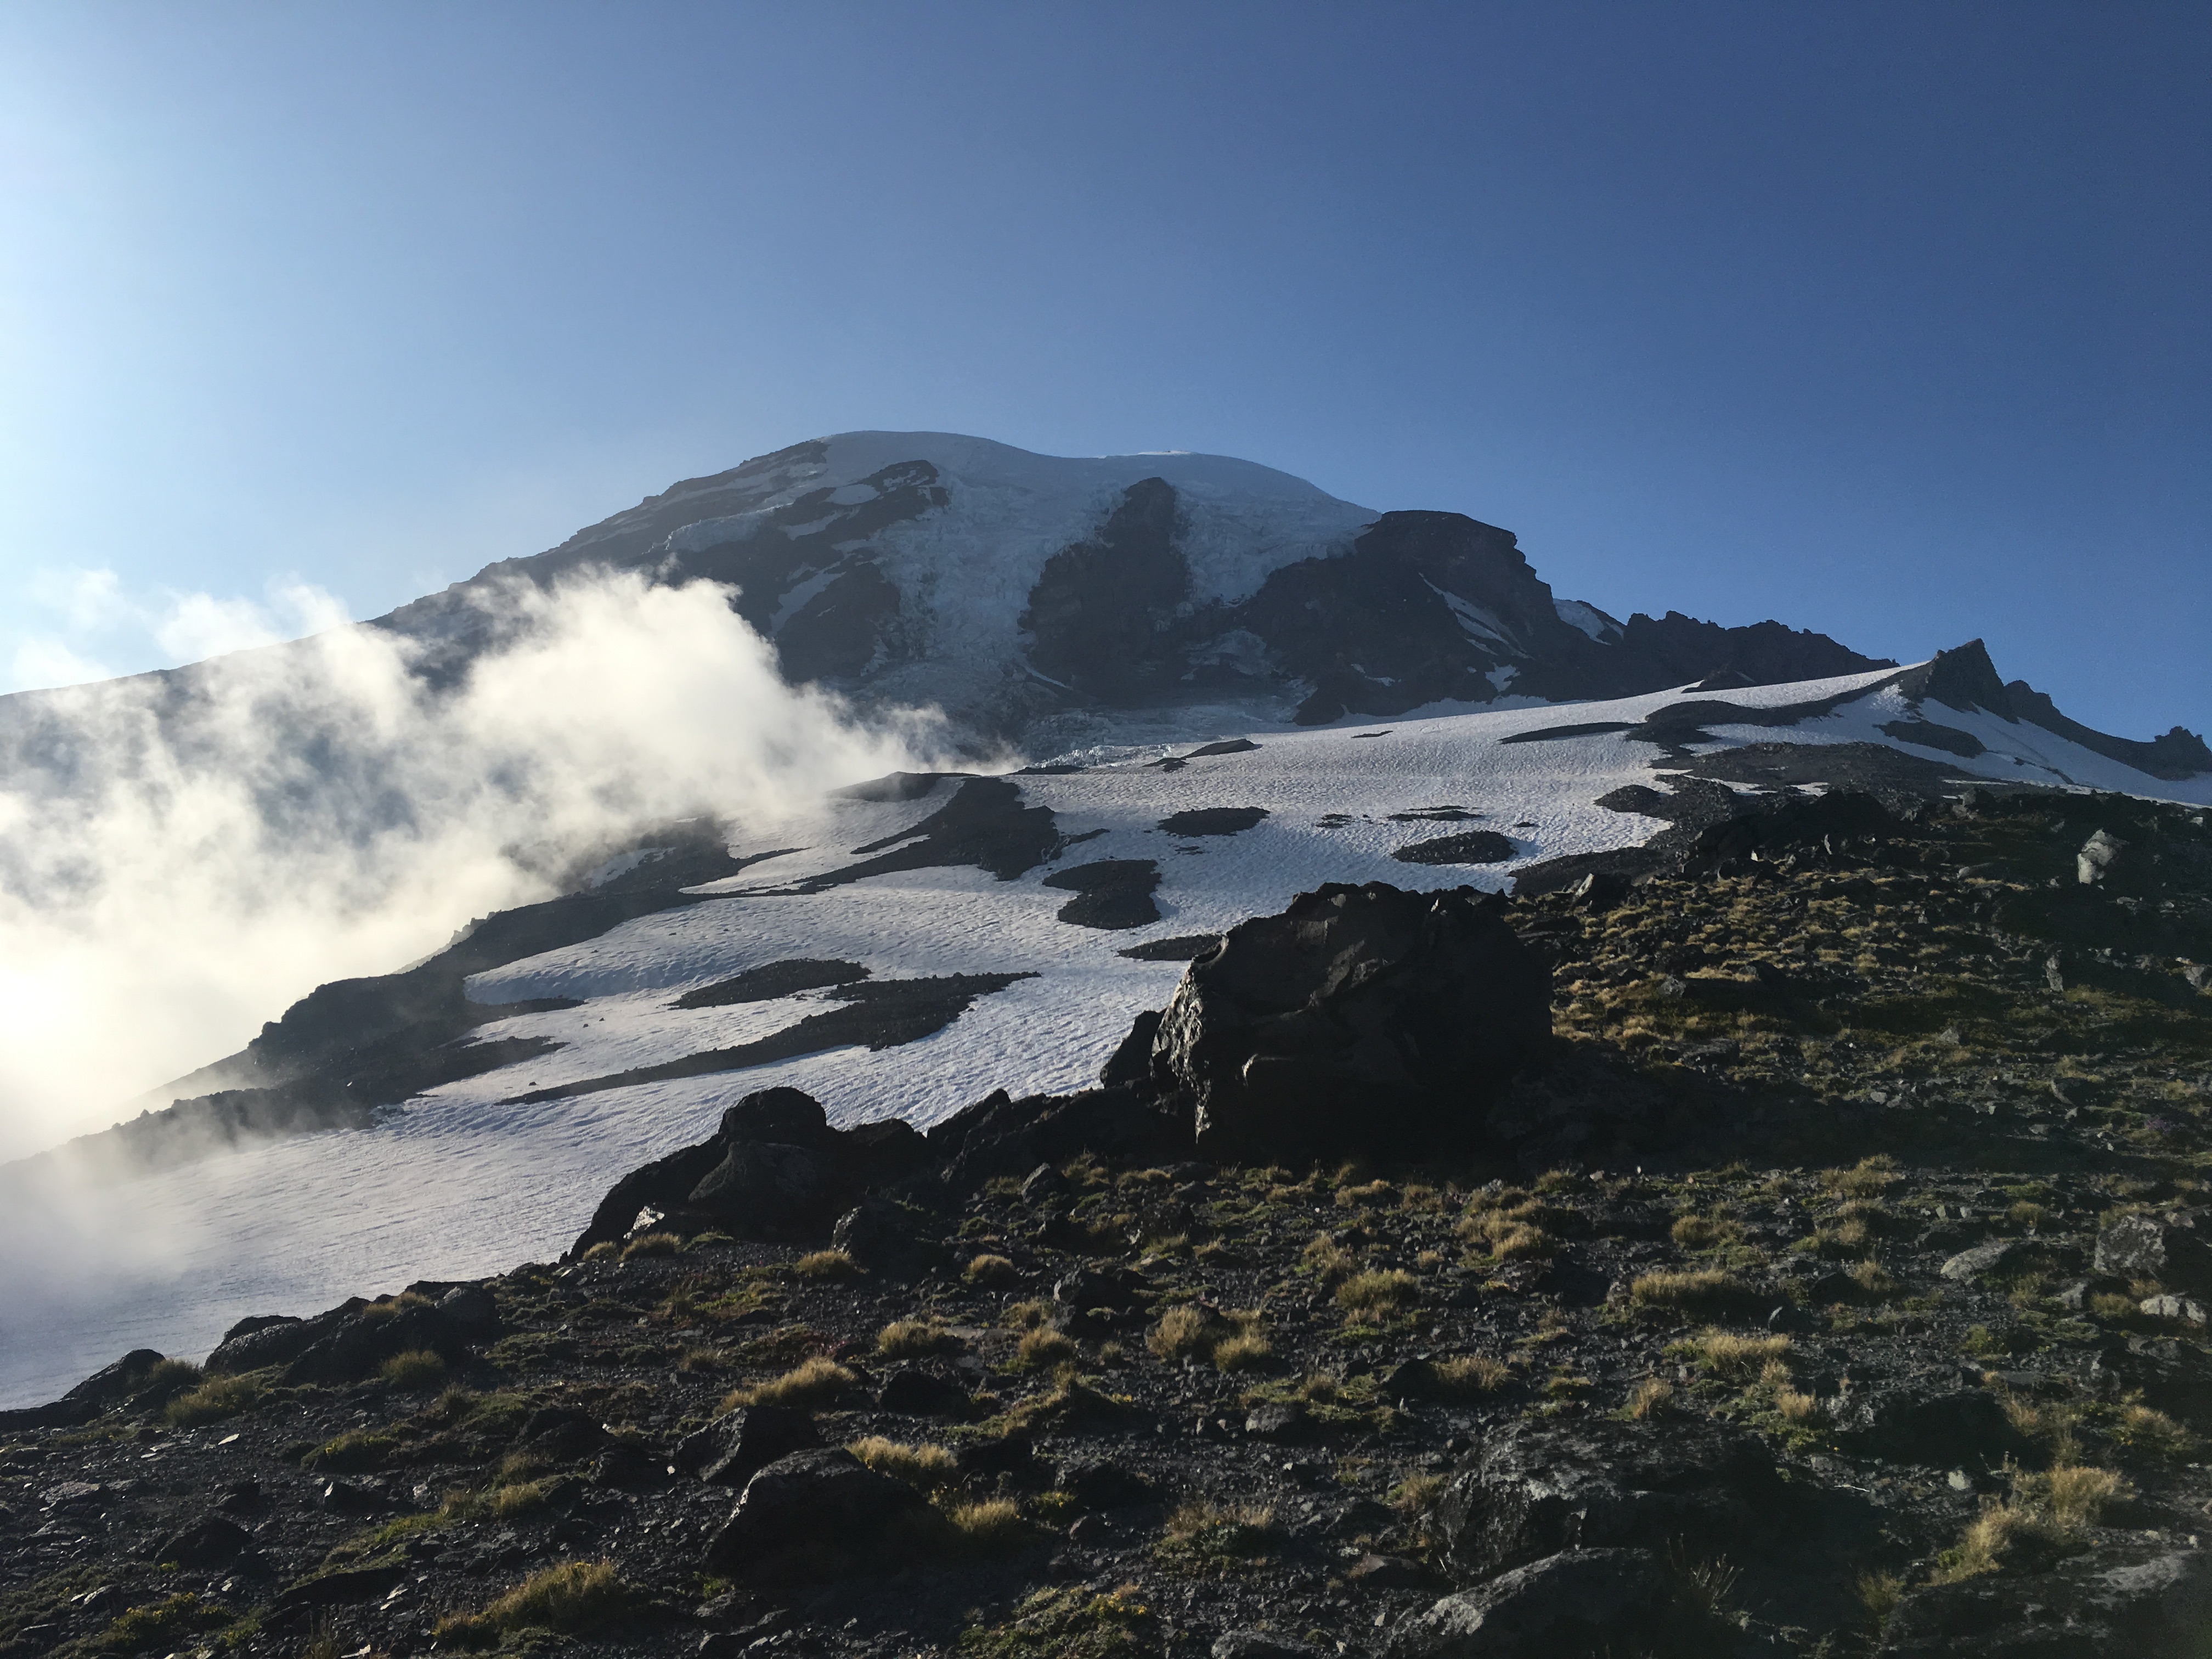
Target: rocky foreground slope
column 1834, row 1281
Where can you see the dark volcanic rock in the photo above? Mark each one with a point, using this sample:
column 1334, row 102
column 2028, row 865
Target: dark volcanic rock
column 1535, row 1488
column 1473, row 846
column 207, row 1542
column 1113, row 893
column 1583, row 1604
column 1212, row 820
column 2150, row 1603
column 802, row 1513
column 1361, row 1019
column 921, row 1391
column 884, row 1236
column 1925, row 1422
column 2168, row 1247
column 729, row 1450
column 775, row 1169
column 771, row 981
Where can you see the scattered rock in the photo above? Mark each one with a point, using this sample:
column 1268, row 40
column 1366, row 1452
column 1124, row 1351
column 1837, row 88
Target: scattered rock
column 802, row 1513
column 1995, row 1256
column 1584, row 1604
column 1419, row 1007
column 736, row 1445
column 2166, row 1246
column 2151, row 1603
column 1536, row 1487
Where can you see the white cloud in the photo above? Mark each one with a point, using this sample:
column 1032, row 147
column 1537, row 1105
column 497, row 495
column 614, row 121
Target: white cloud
column 42, row 661
column 316, row 811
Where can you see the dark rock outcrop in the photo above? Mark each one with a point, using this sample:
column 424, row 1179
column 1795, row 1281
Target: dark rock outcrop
column 2168, row 1247
column 736, row 1445
column 1581, row 1604
column 812, row 1513
column 2151, row 1602
column 1534, row 1489
column 1360, row 1019
column 775, row 1169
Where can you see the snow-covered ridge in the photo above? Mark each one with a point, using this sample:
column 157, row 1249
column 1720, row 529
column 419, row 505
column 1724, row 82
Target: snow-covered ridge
column 470, row 1176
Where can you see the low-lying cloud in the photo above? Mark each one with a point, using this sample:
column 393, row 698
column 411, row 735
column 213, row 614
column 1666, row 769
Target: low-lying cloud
column 182, row 857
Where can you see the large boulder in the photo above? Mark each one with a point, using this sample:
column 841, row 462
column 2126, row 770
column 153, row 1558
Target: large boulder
column 2143, row 1601
column 1361, row 1019
column 737, row 1445
column 775, row 1170
column 1583, row 1604
column 1534, row 1488
column 816, row 1514
column 1917, row 1422
column 2166, row 1246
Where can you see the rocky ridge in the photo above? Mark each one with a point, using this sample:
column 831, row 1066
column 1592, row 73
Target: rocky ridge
column 1836, row 1282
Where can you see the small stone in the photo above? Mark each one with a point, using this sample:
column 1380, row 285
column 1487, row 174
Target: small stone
column 2174, row 1306
column 1282, row 1422
column 1992, row 1257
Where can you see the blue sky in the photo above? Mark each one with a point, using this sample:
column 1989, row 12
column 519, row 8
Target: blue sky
column 1888, row 321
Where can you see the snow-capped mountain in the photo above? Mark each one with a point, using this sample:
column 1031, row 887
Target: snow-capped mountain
column 1353, row 696
column 1050, row 600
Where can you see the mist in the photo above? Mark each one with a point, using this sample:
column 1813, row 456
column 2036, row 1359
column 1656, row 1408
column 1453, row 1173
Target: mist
column 182, row 856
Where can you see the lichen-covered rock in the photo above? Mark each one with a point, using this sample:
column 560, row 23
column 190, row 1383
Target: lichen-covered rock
column 2166, row 1246
column 1581, row 1604
column 1535, row 1488
column 740, row 1443
column 802, row 1513
column 1361, row 1019
column 2141, row 1602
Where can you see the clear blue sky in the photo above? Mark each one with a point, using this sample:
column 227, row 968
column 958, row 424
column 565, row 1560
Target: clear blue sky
column 1886, row 319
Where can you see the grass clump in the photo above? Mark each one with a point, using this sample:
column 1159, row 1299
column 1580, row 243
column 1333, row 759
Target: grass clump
column 168, row 1378
column 926, row 1467
column 1042, row 1348
column 574, row 1597
column 1068, row 1624
column 2004, row 1538
column 2075, row 1496
column 826, row 1264
column 1706, row 1290
column 1736, row 1358
column 351, row 1453
column 1379, row 1292
column 990, row 1526
column 1329, row 1261
column 158, row 1622
column 1705, row 1232
column 1467, row 1376
column 991, row 1271
column 605, row 1251
column 1201, row 1532
column 653, row 1244
column 2144, row 1430
column 911, row 1338
column 416, row 1368
column 215, row 1399
column 808, row 1386
column 1870, row 1177
column 1652, row 1398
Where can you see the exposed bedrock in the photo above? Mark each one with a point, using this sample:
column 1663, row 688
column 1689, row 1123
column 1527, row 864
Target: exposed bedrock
column 1361, row 1019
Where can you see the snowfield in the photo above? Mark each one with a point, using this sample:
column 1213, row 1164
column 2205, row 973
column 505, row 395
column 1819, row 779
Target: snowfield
column 466, row 1180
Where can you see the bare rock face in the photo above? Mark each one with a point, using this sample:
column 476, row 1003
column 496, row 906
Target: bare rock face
column 1536, row 1488
column 2152, row 1603
column 814, row 1513
column 1361, row 1020
column 2169, row 1248
column 1580, row 1604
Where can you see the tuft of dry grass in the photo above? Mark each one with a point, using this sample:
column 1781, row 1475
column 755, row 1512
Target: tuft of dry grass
column 992, row 1272
column 1705, row 1232
column 2075, row 1495
column 1328, row 1260
column 1651, row 1398
column 827, row 1265
column 809, row 1386
column 2001, row 1538
column 911, row 1338
column 2153, row 1431
column 1043, row 1347
column 926, row 1467
column 653, row 1244
column 418, row 1368
column 1181, row 1333
column 575, row 1597
column 1245, row 1351
column 1416, row 1495
column 605, row 1251
column 1466, row 1375
column 1870, row 1177
column 1798, row 1406
column 1379, row 1292
column 1739, row 1358
column 1687, row 1292
column 218, row 1398
column 991, row 1526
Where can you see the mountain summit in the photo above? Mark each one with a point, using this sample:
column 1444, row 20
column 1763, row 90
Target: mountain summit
column 1026, row 593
